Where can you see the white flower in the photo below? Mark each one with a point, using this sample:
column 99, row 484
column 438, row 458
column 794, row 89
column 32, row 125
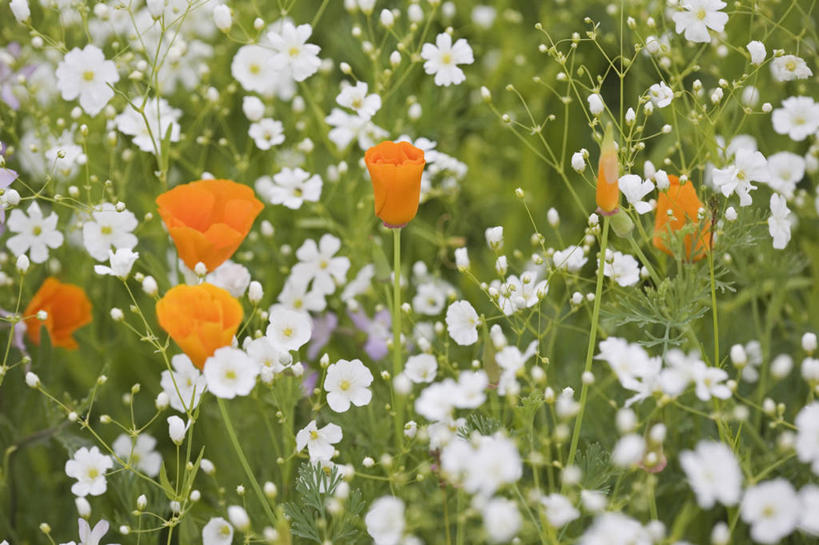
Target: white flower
column 628, row 451
column 772, row 509
column 385, row 520
column 501, row 519
column 698, row 17
column 35, row 234
column 615, row 529
column 348, row 127
column 596, row 104
column 256, row 69
column 292, row 186
column 634, row 368
column 289, row 329
column 230, row 276
column 462, row 258
column 713, row 472
column 186, row 382
column 177, row 429
column 88, row 467
column 790, row 67
column 266, row 133
column 579, row 161
column 64, row 156
column 571, row 259
column 622, row 268
column 122, row 261
column 809, row 498
column 421, row 368
column 437, row 400
column 296, row 296
column 807, row 434
column 348, row 382
column 462, row 323
column 494, row 463
column 20, row 10
column 108, row 228
column 443, row 58
column 319, row 442
column 230, row 372
column 786, row 170
column 270, row 359
column 430, row 298
column 217, row 531
column 355, row 97
column 148, row 132
column 798, row 117
column 239, row 517
column 749, row 166
column 757, row 52
column 139, row 453
column 779, row 224
column 559, row 510
column 292, row 50
column 317, row 263
column 494, row 237
column 471, row 390
column 85, row 73
column 253, row 108
column 660, row 94
column 222, row 17
column 635, row 188
column 88, row 536
column 708, row 381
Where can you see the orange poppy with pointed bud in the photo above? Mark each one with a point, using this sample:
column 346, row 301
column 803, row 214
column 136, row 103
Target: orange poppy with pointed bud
column 608, row 175
column 395, row 169
column 208, row 219
column 67, row 309
column 677, row 207
column 200, row 319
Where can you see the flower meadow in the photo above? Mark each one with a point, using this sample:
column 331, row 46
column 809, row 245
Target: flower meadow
column 403, row 272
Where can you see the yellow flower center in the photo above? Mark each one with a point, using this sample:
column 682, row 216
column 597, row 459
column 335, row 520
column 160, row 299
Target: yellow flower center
column 88, row 75
column 344, row 385
column 446, row 58
column 313, row 435
column 106, row 230
column 37, row 230
column 288, row 331
column 701, row 14
column 254, row 69
column 294, row 51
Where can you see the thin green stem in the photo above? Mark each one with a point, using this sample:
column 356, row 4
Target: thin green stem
column 598, row 293
column 396, row 335
column 243, row 460
column 714, row 307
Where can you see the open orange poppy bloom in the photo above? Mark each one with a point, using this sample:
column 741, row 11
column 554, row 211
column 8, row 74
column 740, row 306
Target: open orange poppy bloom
column 608, row 176
column 208, row 219
column 395, row 169
column 200, row 319
column 677, row 207
column 67, row 308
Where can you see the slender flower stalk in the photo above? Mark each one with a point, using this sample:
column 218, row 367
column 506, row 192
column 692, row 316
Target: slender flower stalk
column 398, row 403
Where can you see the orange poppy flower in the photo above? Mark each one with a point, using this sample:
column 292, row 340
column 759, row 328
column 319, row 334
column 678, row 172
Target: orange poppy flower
column 608, row 175
column 208, row 219
column 199, row 318
column 677, row 207
column 395, row 169
column 67, row 308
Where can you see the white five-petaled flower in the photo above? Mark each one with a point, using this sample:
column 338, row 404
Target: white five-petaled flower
column 714, row 474
column 421, row 368
column 559, row 510
column 256, row 69
column 229, row 372
column 749, row 166
column 292, row 186
column 148, row 132
column 186, row 382
column 217, row 531
column 122, row 261
column 318, row 263
column 772, row 509
column 108, row 228
column 698, row 16
column 635, row 188
column 289, row 329
column 292, row 50
column 271, row 360
column 34, row 233
column 443, row 58
column 85, row 73
column 348, row 382
column 319, row 442
column 462, row 323
column 660, row 94
column 139, row 453
column 622, row 268
column 355, row 97
column 807, row 434
column 385, row 520
column 798, row 117
column 89, row 536
column 571, row 259
column 790, row 67
column 779, row 224
column 88, row 466
column 266, row 133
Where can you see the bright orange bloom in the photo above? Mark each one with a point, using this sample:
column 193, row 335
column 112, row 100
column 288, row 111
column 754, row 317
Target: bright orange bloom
column 208, row 219
column 67, row 308
column 677, row 207
column 200, row 319
column 395, row 169
column 608, row 175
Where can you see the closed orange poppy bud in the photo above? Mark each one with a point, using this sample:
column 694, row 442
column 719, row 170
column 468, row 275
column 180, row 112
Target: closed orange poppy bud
column 208, row 219
column 608, row 175
column 200, row 319
column 677, row 207
column 395, row 169
column 67, row 309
